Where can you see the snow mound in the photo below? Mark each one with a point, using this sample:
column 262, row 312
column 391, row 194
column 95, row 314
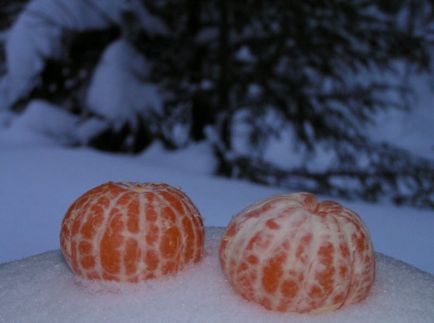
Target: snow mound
column 42, row 289
column 118, row 90
column 41, row 121
column 37, row 34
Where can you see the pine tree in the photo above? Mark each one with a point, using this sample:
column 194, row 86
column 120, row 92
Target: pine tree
column 308, row 63
column 312, row 67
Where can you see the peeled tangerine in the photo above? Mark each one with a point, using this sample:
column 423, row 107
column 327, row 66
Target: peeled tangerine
column 293, row 253
column 130, row 232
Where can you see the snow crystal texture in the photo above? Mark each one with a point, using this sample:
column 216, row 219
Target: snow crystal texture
column 42, row 289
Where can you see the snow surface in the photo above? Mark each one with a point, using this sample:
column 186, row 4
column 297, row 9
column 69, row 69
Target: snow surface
column 43, row 289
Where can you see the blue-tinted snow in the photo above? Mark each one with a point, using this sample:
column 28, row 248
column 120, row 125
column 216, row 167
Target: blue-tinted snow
column 43, row 289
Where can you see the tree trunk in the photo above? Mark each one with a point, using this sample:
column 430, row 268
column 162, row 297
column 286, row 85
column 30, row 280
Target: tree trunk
column 224, row 85
column 224, row 124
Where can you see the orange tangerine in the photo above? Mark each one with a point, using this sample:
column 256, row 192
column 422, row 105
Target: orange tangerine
column 130, row 232
column 291, row 253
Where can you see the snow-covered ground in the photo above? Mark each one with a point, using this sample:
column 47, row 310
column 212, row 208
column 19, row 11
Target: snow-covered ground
column 42, row 289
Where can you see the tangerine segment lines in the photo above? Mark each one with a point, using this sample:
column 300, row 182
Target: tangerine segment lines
column 131, row 232
column 293, row 253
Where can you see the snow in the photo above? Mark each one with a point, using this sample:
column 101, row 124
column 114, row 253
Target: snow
column 88, row 129
column 37, row 35
column 42, row 288
column 244, row 55
column 149, row 22
column 412, row 130
column 43, row 120
column 118, row 90
column 195, row 158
